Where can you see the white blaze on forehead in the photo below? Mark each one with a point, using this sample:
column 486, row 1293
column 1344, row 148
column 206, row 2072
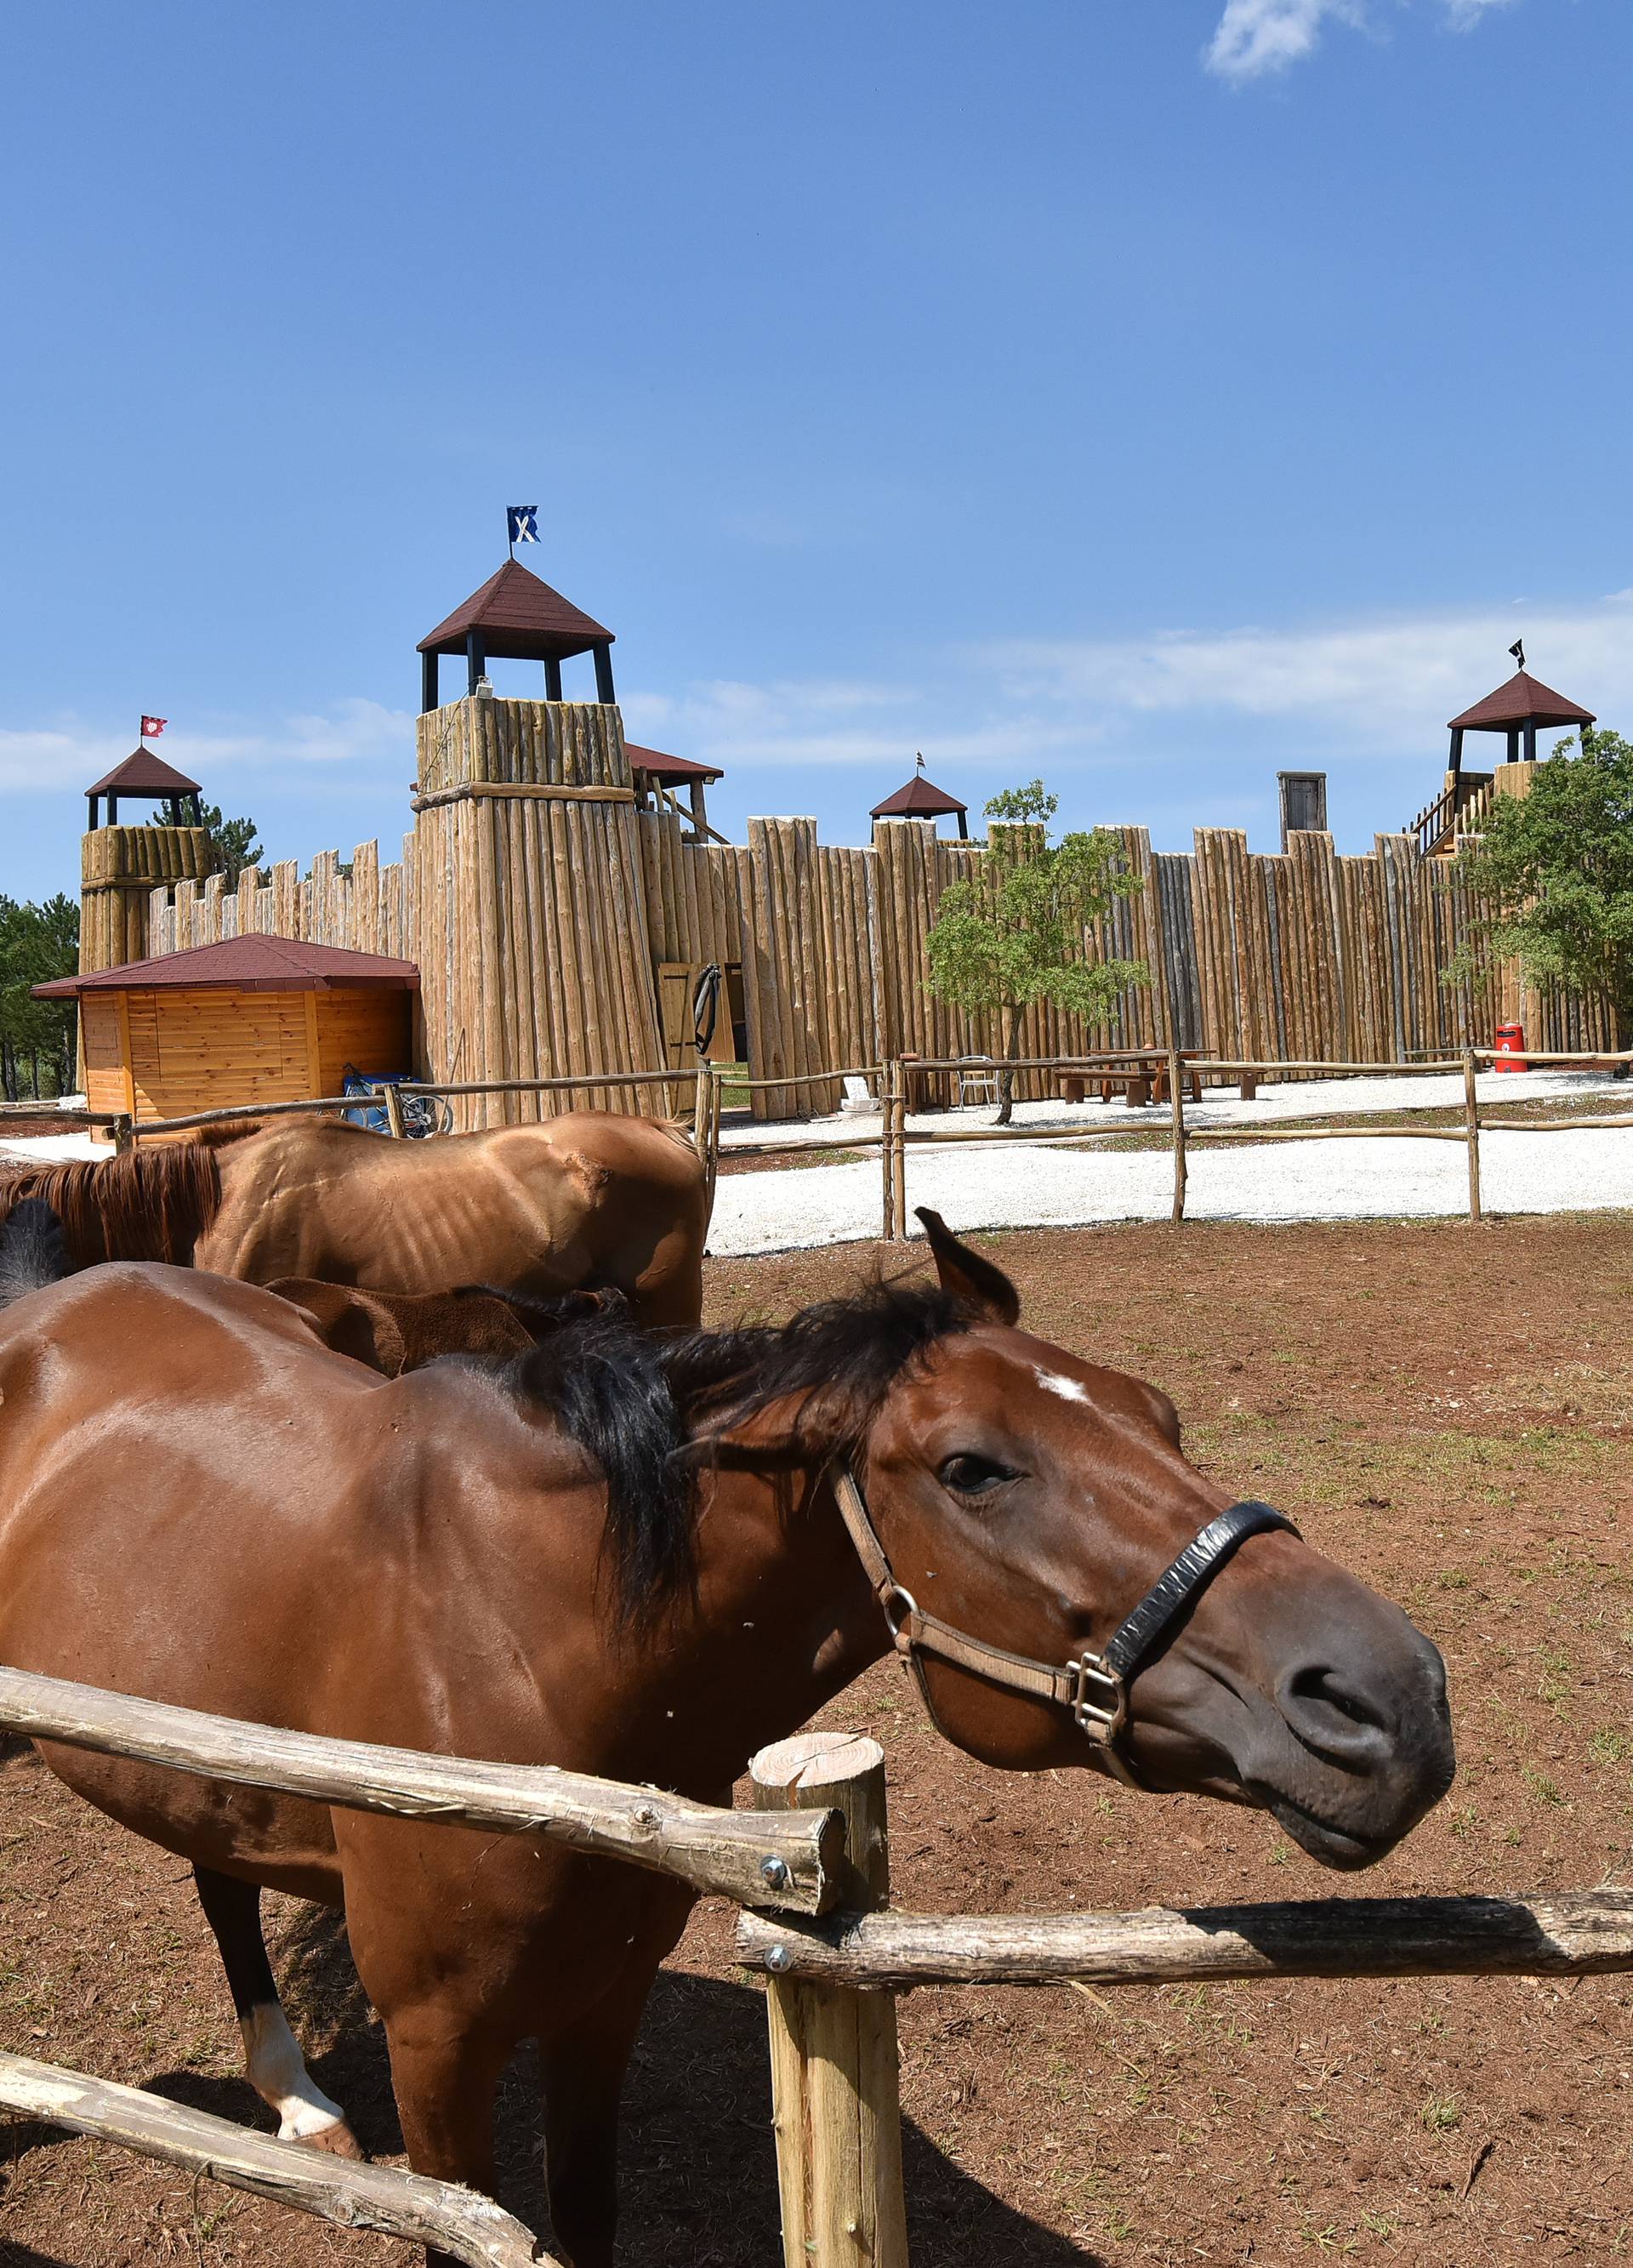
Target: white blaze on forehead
column 278, row 2074
column 1056, row 1381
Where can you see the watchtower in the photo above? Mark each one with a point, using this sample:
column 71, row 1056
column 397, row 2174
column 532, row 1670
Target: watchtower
column 121, row 866
column 530, row 909
column 921, row 799
column 1515, row 710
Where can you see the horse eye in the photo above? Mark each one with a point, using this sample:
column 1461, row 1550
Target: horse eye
column 971, row 1475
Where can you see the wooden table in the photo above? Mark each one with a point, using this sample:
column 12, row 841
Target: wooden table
column 1141, row 1072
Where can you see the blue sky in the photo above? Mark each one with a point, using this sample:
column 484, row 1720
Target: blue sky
column 1149, row 393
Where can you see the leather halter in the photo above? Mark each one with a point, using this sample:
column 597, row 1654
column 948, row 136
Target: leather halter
column 1094, row 1687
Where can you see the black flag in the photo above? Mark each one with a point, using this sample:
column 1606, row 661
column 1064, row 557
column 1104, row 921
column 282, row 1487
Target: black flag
column 1518, row 650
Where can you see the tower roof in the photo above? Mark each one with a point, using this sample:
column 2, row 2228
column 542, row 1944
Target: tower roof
column 142, row 773
column 920, row 799
column 1524, row 700
column 669, row 771
column 522, row 619
column 254, row 964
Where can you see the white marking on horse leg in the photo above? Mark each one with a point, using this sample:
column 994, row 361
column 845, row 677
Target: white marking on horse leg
column 278, row 2074
column 1055, row 1381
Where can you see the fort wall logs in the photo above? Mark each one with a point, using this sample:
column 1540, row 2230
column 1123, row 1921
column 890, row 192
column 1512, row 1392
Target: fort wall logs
column 540, row 901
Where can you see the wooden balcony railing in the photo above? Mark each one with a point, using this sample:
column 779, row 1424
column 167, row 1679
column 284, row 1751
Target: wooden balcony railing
column 1457, row 809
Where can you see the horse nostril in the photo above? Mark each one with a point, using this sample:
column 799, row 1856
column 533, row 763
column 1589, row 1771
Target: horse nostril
column 1330, row 1710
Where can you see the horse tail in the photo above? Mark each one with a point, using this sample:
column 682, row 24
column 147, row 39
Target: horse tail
column 34, row 1250
column 148, row 1204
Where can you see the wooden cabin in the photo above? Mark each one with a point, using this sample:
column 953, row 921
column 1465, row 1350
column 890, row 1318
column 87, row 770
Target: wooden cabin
column 252, row 1021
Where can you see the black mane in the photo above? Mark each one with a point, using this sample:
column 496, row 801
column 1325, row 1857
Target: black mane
column 650, row 1407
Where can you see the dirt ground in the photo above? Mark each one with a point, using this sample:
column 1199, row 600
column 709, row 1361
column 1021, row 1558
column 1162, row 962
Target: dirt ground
column 1449, row 1412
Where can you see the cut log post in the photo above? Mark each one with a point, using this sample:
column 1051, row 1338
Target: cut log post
column 888, row 1154
column 1176, row 1104
column 393, row 1113
column 1471, row 1120
column 353, row 2196
column 1565, row 1933
column 834, row 2060
column 899, row 1179
column 726, row 1851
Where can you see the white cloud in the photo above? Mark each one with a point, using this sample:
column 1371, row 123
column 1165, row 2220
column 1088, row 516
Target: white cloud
column 1256, row 37
column 69, row 752
column 1380, row 685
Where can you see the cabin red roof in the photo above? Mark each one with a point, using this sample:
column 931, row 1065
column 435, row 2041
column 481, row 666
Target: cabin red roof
column 522, row 619
column 671, row 771
column 247, row 964
column 142, row 773
column 1524, row 700
column 920, row 799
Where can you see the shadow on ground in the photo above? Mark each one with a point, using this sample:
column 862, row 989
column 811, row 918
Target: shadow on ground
column 699, row 2175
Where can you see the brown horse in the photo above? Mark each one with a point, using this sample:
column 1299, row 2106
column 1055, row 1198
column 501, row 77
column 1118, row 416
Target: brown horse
column 394, row 1331
column 642, row 1555
column 589, row 1200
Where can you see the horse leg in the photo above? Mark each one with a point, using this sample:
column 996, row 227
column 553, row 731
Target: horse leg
column 581, row 2069
column 277, row 2070
column 445, row 2069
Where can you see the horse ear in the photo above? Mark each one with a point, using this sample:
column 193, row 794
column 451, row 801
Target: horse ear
column 966, row 1275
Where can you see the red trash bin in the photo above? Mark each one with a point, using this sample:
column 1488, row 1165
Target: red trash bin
column 1511, row 1047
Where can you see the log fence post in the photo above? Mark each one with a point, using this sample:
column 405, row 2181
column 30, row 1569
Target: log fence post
column 1471, row 1122
column 1176, row 1104
column 394, row 1112
column 834, row 2072
column 899, row 1228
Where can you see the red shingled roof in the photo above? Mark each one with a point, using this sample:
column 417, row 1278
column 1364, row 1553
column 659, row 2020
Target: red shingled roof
column 522, row 619
column 672, row 772
column 247, row 964
column 1524, row 700
column 142, row 773
column 920, row 799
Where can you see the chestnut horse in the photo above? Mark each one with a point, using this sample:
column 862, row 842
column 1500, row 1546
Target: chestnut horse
column 644, row 1556
column 589, row 1200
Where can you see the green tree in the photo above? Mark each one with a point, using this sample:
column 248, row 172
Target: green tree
column 36, row 943
column 1553, row 872
column 232, row 840
column 1013, row 934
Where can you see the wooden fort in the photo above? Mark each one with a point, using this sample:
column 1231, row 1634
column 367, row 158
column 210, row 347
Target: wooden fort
column 559, row 902
column 250, row 1019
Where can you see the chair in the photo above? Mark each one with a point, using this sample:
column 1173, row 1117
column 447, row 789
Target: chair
column 978, row 1081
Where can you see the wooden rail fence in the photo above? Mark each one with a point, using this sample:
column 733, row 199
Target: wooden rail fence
column 820, row 1835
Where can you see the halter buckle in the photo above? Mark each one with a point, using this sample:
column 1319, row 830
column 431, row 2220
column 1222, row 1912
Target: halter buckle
column 1099, row 1700
column 898, row 1607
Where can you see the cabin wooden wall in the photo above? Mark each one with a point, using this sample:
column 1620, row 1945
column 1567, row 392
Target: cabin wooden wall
column 164, row 1052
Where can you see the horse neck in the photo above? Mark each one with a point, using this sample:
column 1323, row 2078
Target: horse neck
column 785, row 1617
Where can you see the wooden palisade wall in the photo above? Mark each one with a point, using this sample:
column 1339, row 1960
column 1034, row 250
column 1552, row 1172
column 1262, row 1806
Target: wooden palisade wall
column 540, row 903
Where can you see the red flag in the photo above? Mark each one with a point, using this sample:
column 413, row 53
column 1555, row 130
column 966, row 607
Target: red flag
column 152, row 725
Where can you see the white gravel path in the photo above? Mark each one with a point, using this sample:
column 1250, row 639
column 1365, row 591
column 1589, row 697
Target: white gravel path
column 52, row 1149
column 1018, row 1186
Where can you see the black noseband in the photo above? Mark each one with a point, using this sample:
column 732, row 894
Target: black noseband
column 1191, row 1571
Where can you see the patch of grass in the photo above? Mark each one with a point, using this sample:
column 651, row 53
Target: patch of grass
column 1544, row 1789
column 1441, row 2113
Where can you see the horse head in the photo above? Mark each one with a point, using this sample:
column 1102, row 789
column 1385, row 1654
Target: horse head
column 1070, row 1590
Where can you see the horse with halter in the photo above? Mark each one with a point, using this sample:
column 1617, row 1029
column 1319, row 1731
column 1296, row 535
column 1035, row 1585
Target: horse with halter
column 590, row 1200
column 645, row 1556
